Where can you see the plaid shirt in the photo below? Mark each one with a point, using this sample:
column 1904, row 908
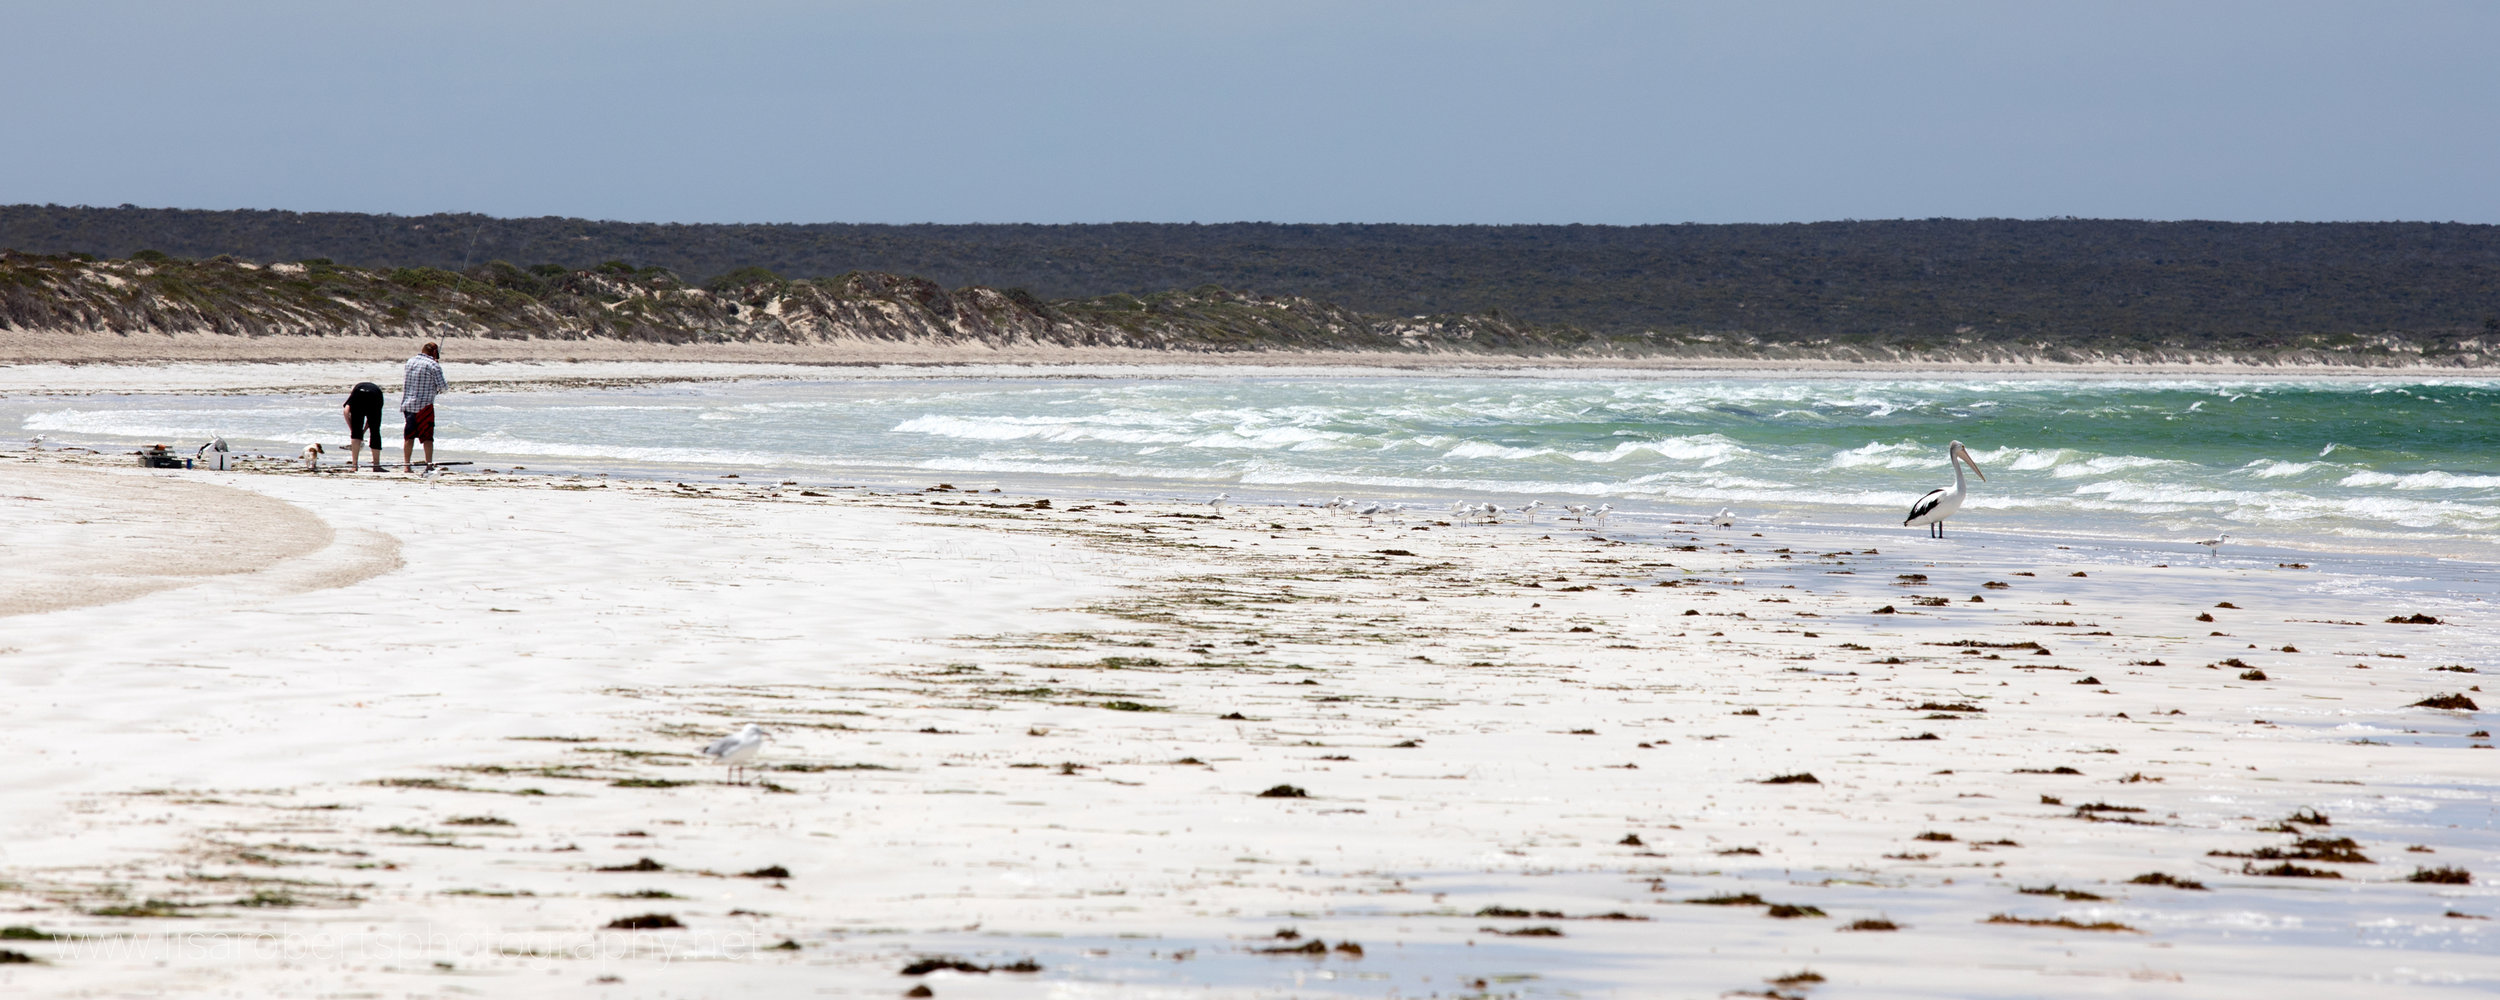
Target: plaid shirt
column 425, row 378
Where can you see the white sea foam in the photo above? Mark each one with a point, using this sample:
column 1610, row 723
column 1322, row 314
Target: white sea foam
column 1486, row 449
column 1270, row 438
column 1043, row 428
column 1898, row 455
column 2103, row 465
column 2025, row 459
column 2433, row 480
column 1708, row 449
column 1855, row 449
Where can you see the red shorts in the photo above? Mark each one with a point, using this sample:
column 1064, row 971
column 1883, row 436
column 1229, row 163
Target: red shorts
column 420, row 426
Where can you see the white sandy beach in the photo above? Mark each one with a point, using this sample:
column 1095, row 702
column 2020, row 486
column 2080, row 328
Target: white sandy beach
column 388, row 749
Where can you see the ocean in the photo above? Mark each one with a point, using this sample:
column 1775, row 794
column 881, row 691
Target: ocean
column 2395, row 465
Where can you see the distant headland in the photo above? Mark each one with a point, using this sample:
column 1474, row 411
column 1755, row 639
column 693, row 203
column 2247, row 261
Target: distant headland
column 1897, row 292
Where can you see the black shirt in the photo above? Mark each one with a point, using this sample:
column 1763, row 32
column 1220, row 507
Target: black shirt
column 365, row 398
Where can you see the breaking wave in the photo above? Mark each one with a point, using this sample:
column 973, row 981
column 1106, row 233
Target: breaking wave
column 2379, row 458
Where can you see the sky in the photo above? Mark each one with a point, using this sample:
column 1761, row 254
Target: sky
column 1283, row 111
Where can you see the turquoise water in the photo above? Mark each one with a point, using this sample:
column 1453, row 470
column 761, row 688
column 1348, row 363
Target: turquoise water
column 2388, row 464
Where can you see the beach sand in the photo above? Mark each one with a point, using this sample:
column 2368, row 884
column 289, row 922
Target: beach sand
column 424, row 737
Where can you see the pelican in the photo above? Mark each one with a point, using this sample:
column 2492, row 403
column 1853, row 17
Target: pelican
column 736, row 749
column 1723, row 519
column 2214, row 544
column 1932, row 509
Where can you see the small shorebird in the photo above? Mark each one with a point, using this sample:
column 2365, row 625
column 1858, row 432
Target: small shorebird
column 2214, row 544
column 736, row 749
column 1932, row 509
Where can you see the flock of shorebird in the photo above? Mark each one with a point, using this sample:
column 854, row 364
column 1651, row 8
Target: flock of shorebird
column 1461, row 510
column 1481, row 513
column 1929, row 511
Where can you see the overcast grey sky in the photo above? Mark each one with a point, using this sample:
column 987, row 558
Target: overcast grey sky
column 1174, row 111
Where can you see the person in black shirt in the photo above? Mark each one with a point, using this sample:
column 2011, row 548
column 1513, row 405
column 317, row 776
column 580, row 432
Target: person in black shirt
column 364, row 423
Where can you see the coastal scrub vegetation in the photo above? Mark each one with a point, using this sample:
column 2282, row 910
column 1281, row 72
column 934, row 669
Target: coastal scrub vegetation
column 618, row 300
column 1938, row 289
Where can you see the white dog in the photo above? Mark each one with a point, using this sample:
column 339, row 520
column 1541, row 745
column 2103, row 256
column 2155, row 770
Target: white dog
column 312, row 457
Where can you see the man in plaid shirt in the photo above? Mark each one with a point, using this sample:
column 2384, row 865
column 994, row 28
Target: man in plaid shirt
column 416, row 401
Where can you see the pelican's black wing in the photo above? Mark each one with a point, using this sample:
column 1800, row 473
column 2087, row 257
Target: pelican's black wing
column 1924, row 504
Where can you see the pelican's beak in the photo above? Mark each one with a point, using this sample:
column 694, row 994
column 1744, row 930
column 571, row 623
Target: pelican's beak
column 1974, row 466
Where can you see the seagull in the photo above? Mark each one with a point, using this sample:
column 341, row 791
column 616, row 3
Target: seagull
column 1600, row 513
column 35, row 443
column 1217, row 501
column 1932, row 509
column 1723, row 519
column 2214, row 544
column 1370, row 510
column 1493, row 511
column 1578, row 511
column 736, row 749
column 1530, row 510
